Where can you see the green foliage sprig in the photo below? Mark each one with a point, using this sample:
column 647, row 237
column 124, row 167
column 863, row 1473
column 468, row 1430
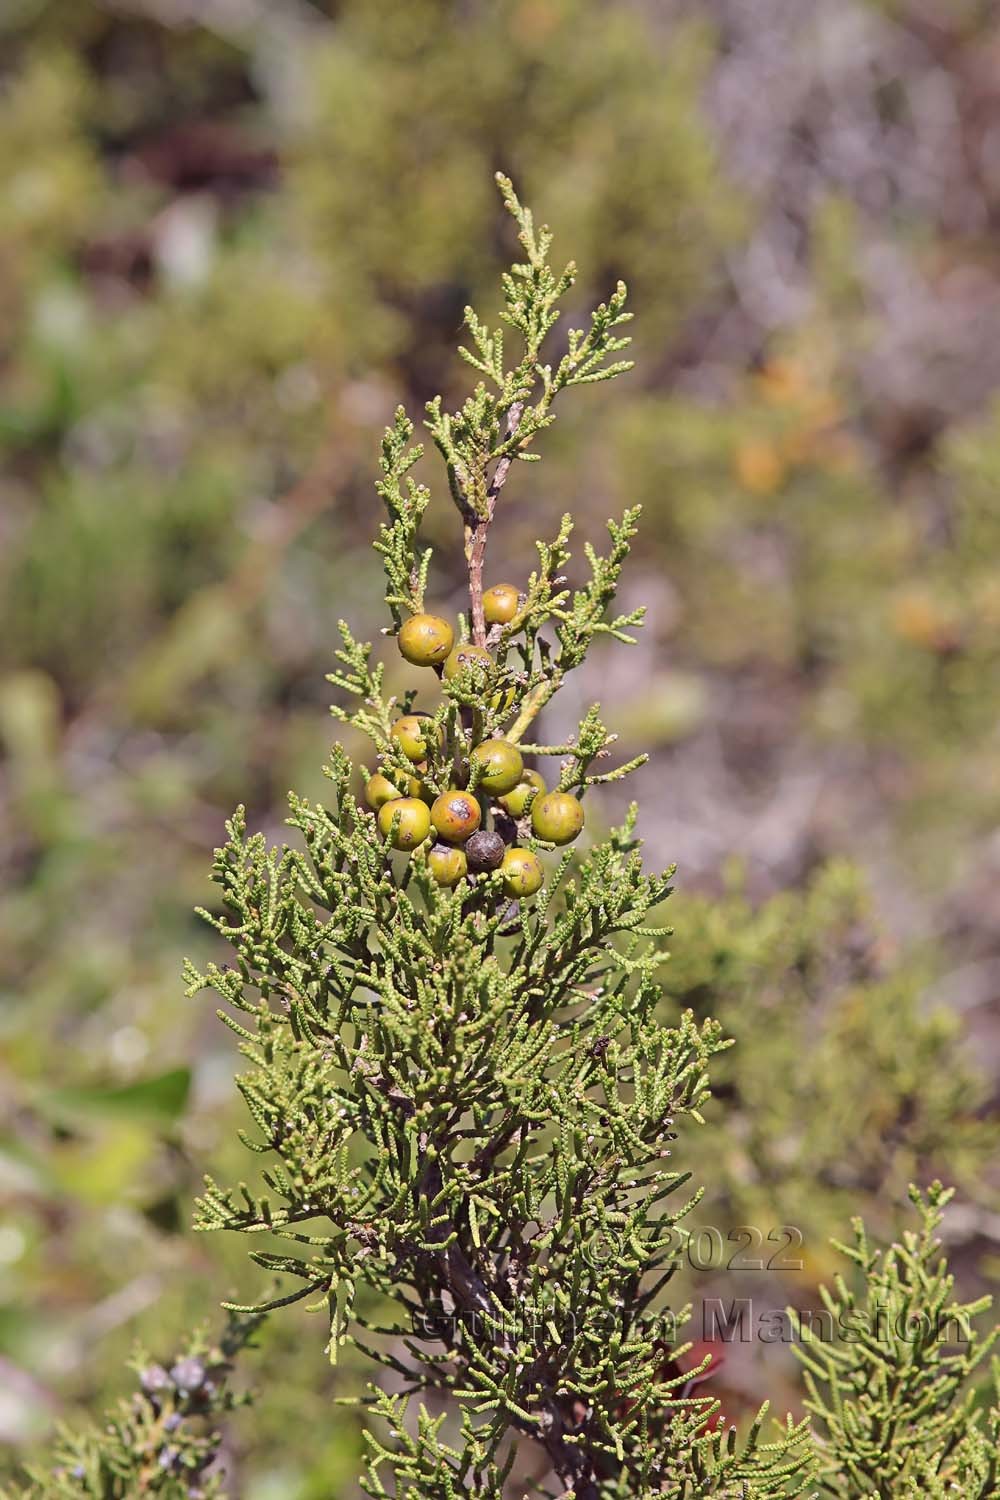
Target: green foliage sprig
column 406, row 501
column 480, row 441
column 893, row 1397
column 466, row 1102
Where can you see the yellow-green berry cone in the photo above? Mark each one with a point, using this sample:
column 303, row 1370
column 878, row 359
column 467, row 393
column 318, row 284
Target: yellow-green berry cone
column 425, row 640
column 380, row 790
column 456, row 816
column 447, row 864
column 522, row 872
column 516, row 802
column 405, row 823
column 415, row 735
column 557, row 817
column 500, row 604
column 417, row 787
column 501, row 766
column 466, row 656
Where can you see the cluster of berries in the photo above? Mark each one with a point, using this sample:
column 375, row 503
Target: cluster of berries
column 407, row 814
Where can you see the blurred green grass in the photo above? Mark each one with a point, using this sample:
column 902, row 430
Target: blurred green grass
column 233, row 239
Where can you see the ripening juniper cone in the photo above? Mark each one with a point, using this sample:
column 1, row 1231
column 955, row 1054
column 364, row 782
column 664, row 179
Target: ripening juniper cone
column 448, row 864
column 485, row 851
column 379, row 790
column 415, row 735
column 405, row 822
column 500, row 766
column 557, row 817
column 466, row 656
column 522, row 872
column 425, row 640
column 455, row 816
column 500, row 604
column 531, row 785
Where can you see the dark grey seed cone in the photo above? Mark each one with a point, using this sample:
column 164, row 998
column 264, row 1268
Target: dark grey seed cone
column 485, row 851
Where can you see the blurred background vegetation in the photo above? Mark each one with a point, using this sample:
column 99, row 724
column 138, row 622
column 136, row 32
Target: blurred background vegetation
column 235, row 233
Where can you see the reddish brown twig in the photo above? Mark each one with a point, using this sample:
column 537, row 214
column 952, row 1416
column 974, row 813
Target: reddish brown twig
column 477, row 530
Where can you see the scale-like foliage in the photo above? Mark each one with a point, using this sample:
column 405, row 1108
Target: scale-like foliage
column 466, row 1104
column 895, row 1407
